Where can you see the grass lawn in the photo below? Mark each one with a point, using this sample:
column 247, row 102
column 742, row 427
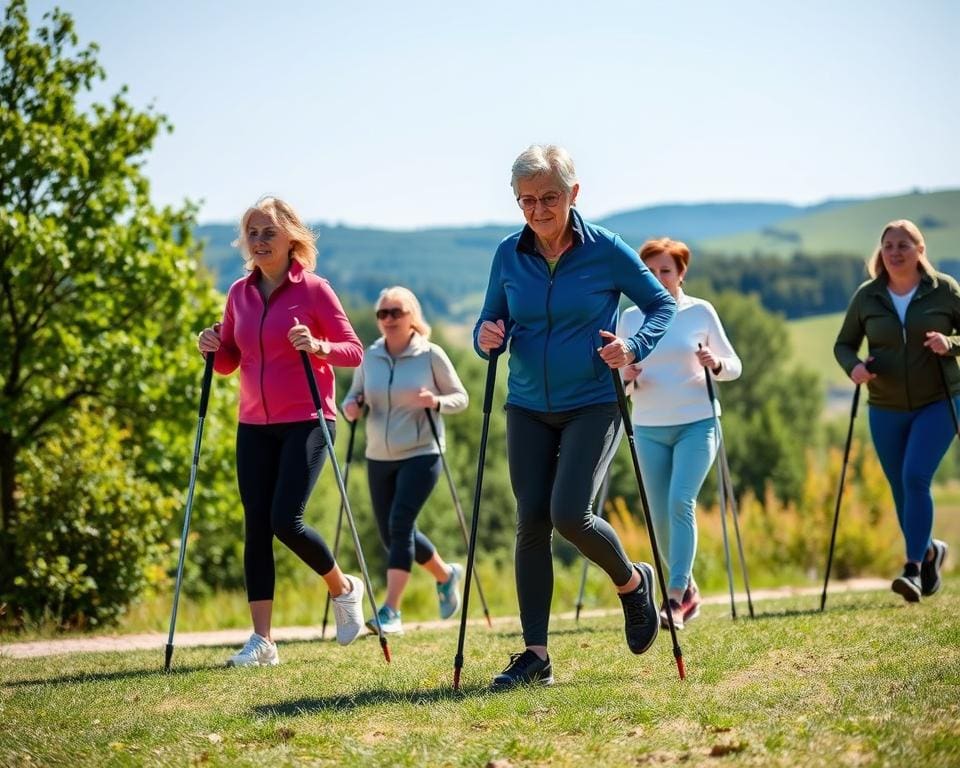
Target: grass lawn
column 873, row 681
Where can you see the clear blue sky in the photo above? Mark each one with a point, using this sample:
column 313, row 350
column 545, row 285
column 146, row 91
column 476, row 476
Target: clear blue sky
column 410, row 114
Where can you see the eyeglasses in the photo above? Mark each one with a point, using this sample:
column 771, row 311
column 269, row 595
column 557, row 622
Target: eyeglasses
column 529, row 202
column 396, row 313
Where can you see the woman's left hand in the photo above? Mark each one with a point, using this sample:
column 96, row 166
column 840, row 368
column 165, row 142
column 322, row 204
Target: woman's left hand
column 708, row 359
column 426, row 399
column 615, row 352
column 937, row 343
column 304, row 341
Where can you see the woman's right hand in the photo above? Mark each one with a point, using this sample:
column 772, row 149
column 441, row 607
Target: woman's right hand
column 209, row 339
column 631, row 372
column 860, row 374
column 351, row 409
column 491, row 336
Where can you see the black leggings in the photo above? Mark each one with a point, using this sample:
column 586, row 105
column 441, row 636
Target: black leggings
column 277, row 467
column 398, row 490
column 557, row 461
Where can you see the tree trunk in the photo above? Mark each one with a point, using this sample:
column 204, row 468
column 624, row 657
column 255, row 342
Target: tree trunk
column 8, row 452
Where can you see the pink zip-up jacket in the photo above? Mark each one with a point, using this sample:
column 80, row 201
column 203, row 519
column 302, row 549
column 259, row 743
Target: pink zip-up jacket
column 273, row 386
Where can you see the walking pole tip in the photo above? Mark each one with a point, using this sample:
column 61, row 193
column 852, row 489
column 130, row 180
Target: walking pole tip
column 681, row 668
column 168, row 656
column 386, row 649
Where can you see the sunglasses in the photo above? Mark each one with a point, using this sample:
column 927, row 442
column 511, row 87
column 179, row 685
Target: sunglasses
column 396, row 313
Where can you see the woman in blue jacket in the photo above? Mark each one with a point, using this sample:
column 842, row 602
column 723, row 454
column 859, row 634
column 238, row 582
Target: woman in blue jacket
column 553, row 293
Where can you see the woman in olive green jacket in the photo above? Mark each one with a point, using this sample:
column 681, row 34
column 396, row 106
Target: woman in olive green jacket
column 910, row 315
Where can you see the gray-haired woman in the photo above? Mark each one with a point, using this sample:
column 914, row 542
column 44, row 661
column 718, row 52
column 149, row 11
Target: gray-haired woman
column 554, row 290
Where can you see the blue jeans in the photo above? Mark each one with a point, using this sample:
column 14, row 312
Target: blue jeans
column 675, row 461
column 910, row 445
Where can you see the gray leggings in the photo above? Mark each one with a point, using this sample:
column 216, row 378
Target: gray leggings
column 557, row 461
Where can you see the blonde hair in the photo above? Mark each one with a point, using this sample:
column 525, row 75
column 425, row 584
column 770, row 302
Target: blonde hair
column 303, row 241
column 408, row 301
column 544, row 158
column 875, row 265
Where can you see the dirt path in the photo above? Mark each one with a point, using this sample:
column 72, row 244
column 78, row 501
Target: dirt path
column 157, row 640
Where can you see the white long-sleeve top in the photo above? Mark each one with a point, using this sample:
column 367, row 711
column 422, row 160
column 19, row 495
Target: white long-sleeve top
column 671, row 388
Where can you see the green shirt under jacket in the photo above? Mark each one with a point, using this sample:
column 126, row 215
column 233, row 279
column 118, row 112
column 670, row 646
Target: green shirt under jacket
column 908, row 374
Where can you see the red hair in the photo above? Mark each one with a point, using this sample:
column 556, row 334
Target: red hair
column 678, row 250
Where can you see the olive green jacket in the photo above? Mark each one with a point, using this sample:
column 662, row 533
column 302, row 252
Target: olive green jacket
column 909, row 376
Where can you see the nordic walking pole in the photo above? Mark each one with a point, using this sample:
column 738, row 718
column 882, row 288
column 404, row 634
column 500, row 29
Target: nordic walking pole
column 950, row 402
column 836, row 511
column 336, row 538
column 318, row 404
column 204, row 399
column 456, row 505
column 472, row 545
column 602, row 501
column 721, row 487
column 628, row 426
column 735, row 514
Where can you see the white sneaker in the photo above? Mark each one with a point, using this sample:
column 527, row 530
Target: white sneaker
column 348, row 612
column 258, row 652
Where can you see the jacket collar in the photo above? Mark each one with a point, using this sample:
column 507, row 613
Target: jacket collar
column 880, row 284
column 527, row 243
column 417, row 345
column 294, row 273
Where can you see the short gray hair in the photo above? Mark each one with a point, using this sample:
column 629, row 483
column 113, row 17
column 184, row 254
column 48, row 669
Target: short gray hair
column 544, row 158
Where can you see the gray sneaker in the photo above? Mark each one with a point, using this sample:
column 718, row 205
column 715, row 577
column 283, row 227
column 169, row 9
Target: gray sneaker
column 907, row 584
column 930, row 569
column 448, row 593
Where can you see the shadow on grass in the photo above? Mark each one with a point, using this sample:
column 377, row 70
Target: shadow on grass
column 793, row 613
column 368, row 698
column 100, row 677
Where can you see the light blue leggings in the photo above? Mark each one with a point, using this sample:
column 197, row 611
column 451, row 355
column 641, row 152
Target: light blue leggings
column 675, row 461
column 910, row 446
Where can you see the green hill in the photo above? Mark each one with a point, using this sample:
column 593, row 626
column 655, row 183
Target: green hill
column 853, row 228
column 448, row 267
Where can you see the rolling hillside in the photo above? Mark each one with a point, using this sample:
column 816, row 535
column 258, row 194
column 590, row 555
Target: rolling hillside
column 854, row 228
column 448, row 267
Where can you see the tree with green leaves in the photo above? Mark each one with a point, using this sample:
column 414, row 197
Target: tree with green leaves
column 100, row 294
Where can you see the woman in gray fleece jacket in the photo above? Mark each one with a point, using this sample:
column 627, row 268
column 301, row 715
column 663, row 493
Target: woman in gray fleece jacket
column 404, row 375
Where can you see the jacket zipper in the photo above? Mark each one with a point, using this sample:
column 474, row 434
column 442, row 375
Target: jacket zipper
column 386, row 430
column 263, row 399
column 546, row 343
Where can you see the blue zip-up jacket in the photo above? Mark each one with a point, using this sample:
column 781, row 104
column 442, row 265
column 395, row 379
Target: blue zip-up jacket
column 554, row 321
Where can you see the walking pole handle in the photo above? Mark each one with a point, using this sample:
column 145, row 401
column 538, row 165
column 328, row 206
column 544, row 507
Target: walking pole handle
column 491, row 380
column 207, row 377
column 706, row 371
column 205, row 384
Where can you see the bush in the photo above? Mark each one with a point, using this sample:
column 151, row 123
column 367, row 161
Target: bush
column 88, row 528
column 786, row 541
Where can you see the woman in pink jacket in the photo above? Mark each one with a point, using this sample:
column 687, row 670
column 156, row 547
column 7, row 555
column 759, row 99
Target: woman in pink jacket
column 278, row 310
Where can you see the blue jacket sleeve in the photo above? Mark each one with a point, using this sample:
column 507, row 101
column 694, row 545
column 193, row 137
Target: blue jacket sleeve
column 494, row 303
column 631, row 277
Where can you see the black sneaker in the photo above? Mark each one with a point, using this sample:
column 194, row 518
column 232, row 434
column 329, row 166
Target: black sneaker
column 641, row 620
column 908, row 583
column 930, row 569
column 524, row 669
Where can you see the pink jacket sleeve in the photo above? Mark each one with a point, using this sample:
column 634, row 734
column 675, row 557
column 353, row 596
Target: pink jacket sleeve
column 346, row 351
column 228, row 356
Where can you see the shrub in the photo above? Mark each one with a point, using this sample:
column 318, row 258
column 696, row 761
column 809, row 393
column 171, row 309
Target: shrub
column 88, row 528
